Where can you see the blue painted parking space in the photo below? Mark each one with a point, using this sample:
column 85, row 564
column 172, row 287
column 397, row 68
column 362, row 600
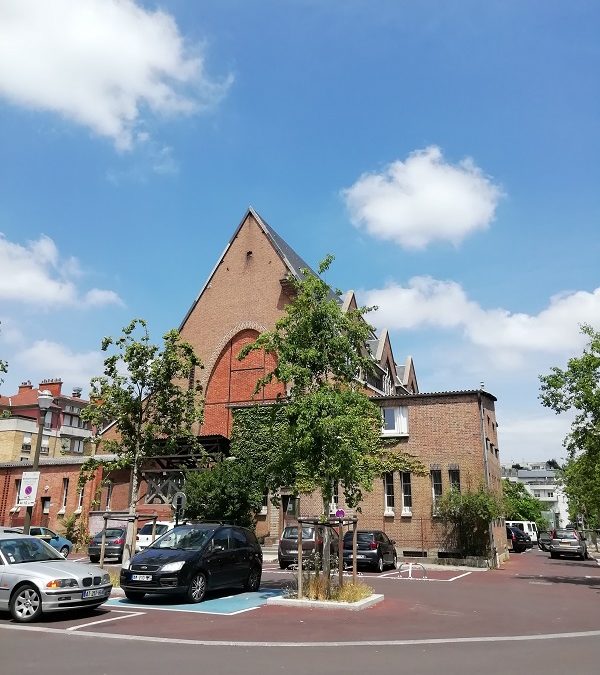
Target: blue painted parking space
column 224, row 606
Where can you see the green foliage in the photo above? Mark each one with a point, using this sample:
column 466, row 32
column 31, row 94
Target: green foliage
column 328, row 431
column 75, row 529
column 467, row 516
column 581, row 480
column 145, row 392
column 518, row 504
column 577, row 388
column 229, row 491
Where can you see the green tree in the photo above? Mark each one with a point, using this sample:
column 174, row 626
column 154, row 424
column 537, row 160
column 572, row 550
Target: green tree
column 518, row 504
column 152, row 398
column 468, row 516
column 580, row 477
column 228, row 491
column 332, row 430
column 577, row 389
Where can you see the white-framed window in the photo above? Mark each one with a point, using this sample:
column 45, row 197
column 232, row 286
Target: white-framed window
column 388, row 484
column 109, row 491
column 77, row 445
column 454, row 477
column 45, row 445
column 48, row 420
column 80, row 501
column 17, row 490
column 26, row 446
column 45, row 505
column 394, row 421
column 335, row 497
column 436, row 486
column 406, row 494
column 65, row 494
column 265, row 503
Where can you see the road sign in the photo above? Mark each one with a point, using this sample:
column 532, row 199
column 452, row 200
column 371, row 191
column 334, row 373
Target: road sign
column 340, row 513
column 179, row 501
column 29, row 486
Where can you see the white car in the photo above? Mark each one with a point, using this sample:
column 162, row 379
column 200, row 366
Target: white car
column 144, row 535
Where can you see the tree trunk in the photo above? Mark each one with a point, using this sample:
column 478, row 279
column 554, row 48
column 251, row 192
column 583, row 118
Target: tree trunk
column 326, row 544
column 129, row 548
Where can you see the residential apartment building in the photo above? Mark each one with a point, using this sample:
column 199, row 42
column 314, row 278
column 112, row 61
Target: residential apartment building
column 64, row 432
column 540, row 481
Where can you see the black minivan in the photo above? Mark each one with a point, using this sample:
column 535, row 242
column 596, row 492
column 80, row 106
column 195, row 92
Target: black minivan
column 191, row 559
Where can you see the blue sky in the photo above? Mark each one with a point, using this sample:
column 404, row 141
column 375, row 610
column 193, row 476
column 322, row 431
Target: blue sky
column 446, row 153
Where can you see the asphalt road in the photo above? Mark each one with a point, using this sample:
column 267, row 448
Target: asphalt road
column 535, row 614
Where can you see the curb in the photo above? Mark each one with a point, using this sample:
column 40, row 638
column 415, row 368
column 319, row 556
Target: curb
column 322, row 604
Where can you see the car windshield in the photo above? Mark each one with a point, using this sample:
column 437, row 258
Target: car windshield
column 28, row 550
column 147, row 529
column 186, row 538
column 565, row 534
column 362, row 537
column 292, row 532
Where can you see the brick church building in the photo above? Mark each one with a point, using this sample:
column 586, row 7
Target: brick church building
column 454, row 434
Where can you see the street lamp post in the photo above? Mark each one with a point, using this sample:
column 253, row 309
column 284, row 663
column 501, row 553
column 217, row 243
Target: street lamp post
column 45, row 399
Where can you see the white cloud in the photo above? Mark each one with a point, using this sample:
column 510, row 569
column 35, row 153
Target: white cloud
column 535, row 437
column 508, row 337
column 101, row 64
column 35, row 274
column 423, row 199
column 75, row 369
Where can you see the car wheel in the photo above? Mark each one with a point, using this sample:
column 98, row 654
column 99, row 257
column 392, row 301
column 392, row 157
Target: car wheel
column 64, row 551
column 26, row 604
column 197, row 588
column 94, row 558
column 253, row 582
column 379, row 564
column 135, row 596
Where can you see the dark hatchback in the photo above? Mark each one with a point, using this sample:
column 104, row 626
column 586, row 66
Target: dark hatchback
column 518, row 541
column 373, row 548
column 114, row 545
column 191, row 559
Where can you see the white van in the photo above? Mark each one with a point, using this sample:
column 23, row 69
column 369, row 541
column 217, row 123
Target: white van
column 526, row 526
column 144, row 536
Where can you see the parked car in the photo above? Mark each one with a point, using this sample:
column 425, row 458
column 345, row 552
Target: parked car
column 567, row 542
column 312, row 544
column 61, row 544
column 527, row 526
column 544, row 539
column 518, row 541
column 373, row 549
column 115, row 543
column 144, row 535
column 191, row 559
column 36, row 579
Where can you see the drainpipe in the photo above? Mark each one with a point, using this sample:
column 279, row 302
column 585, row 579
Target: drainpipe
column 487, row 475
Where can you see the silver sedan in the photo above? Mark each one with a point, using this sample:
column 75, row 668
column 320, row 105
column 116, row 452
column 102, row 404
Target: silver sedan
column 35, row 579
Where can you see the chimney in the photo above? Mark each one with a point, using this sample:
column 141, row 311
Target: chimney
column 25, row 386
column 76, row 392
column 53, row 385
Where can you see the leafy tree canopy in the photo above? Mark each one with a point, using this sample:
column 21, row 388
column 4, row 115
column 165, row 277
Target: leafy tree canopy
column 150, row 396
column 520, row 505
column 329, row 431
column 581, row 480
column 577, row 388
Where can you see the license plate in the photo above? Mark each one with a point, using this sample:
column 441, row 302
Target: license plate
column 94, row 593
column 359, row 556
column 141, row 577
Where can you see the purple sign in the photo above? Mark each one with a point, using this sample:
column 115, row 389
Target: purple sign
column 340, row 513
column 28, row 490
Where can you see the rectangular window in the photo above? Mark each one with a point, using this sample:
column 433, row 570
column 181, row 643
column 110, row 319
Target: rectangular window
column 80, row 501
column 394, row 421
column 77, row 445
column 436, row 486
column 65, row 492
column 454, row 476
column 265, row 503
column 109, row 490
column 537, row 493
column 335, row 497
column 388, row 480
column 551, row 494
column 48, row 420
column 45, row 505
column 406, row 493
column 26, row 446
column 17, row 490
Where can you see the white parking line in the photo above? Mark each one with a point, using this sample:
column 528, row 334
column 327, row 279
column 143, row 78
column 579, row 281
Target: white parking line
column 128, row 615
